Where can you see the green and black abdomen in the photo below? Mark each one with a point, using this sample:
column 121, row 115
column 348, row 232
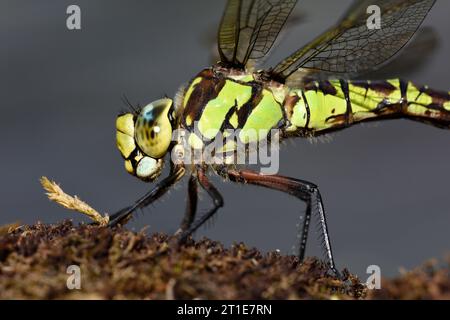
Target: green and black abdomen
column 324, row 106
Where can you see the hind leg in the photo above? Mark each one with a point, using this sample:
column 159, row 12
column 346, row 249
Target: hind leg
column 303, row 190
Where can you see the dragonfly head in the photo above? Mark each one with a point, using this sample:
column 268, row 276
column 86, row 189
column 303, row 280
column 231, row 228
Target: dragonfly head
column 144, row 138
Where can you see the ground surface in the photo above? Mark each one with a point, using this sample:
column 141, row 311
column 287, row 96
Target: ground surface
column 121, row 264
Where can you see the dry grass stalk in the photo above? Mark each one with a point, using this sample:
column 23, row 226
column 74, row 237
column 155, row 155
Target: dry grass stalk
column 56, row 194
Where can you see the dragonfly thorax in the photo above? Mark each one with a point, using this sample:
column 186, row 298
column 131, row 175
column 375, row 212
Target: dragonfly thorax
column 218, row 100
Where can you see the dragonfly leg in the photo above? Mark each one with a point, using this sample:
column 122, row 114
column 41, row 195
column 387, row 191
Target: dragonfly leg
column 217, row 203
column 191, row 205
column 301, row 189
column 305, row 231
column 122, row 216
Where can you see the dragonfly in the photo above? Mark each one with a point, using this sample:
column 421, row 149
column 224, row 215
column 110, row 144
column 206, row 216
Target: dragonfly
column 312, row 92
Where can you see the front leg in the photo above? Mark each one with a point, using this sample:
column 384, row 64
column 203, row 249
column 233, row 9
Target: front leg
column 122, row 216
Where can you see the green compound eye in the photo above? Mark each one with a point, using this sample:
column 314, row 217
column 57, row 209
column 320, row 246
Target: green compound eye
column 153, row 130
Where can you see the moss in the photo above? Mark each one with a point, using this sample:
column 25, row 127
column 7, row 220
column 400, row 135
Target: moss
column 120, row 264
column 427, row 282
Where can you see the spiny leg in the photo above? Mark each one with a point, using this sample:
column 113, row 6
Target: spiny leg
column 301, row 189
column 159, row 190
column 305, row 231
column 217, row 203
column 191, row 205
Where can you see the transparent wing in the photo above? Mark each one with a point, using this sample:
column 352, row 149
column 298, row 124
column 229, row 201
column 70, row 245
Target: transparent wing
column 249, row 29
column 351, row 47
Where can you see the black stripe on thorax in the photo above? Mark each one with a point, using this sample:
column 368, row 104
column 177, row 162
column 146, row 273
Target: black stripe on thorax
column 308, row 110
column 246, row 109
column 206, row 90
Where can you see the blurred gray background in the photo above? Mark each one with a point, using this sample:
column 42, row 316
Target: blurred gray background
column 385, row 186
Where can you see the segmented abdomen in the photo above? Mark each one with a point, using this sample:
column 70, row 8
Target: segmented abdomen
column 328, row 105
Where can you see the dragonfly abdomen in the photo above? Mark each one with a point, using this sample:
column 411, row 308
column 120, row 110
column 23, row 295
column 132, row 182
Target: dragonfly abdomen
column 329, row 105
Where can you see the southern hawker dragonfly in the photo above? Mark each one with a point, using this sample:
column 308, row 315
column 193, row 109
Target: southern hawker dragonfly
column 308, row 94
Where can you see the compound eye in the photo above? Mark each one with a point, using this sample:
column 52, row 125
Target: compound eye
column 153, row 130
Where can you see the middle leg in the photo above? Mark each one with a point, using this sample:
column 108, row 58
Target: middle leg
column 191, row 204
column 217, row 203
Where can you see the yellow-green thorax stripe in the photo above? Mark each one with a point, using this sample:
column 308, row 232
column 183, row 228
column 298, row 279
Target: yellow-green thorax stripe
column 215, row 103
column 232, row 95
column 265, row 115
